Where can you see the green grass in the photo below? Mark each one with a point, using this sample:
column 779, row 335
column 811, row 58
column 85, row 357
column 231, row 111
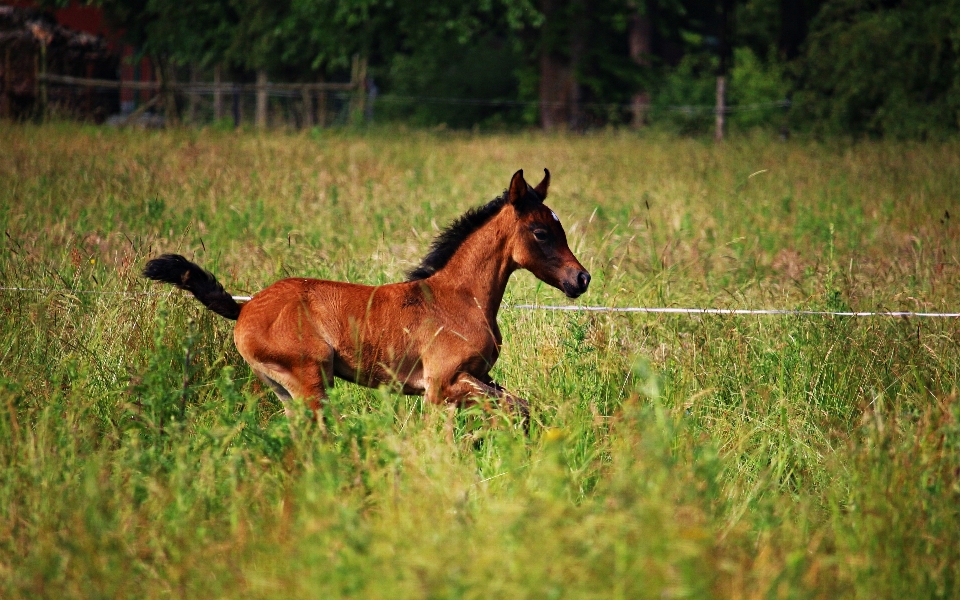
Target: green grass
column 670, row 456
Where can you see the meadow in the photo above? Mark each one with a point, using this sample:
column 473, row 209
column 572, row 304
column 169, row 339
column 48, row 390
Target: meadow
column 670, row 456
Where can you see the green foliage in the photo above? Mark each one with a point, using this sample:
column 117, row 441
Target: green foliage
column 754, row 89
column 187, row 32
column 866, row 68
column 452, row 85
column 692, row 84
column 881, row 69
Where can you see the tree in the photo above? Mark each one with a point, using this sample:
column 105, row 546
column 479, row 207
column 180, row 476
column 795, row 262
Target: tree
column 640, row 36
column 882, row 68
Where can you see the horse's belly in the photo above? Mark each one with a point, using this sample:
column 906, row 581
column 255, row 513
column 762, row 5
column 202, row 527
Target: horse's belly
column 415, row 383
column 405, row 374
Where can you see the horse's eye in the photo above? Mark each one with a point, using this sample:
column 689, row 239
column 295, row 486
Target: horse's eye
column 541, row 235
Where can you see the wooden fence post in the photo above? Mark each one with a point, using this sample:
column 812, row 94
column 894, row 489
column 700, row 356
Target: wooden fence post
column 192, row 96
column 41, row 74
column 307, row 96
column 236, row 106
column 321, row 106
column 7, row 109
column 165, row 76
column 217, row 95
column 88, row 93
column 358, row 76
column 261, row 118
column 354, row 71
column 361, row 84
column 721, row 107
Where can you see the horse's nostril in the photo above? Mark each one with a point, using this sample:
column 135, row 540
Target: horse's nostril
column 583, row 279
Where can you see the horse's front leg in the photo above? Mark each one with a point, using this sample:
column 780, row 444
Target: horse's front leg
column 513, row 401
column 465, row 389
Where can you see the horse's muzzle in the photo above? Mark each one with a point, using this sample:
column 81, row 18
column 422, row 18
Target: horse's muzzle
column 576, row 286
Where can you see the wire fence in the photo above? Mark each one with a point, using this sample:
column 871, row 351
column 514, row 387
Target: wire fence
column 582, row 308
column 300, row 105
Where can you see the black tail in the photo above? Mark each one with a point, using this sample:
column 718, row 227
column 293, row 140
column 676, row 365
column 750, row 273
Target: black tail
column 175, row 269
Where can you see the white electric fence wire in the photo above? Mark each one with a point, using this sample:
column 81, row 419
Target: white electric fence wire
column 65, row 291
column 609, row 309
column 734, row 311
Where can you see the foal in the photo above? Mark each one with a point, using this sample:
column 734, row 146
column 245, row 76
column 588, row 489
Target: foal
column 435, row 334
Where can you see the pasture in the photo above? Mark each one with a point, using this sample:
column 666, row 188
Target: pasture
column 669, row 456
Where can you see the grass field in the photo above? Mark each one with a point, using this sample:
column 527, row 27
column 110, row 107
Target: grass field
column 670, row 456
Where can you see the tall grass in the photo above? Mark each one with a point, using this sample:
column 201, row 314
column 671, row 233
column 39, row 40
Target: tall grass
column 670, row 456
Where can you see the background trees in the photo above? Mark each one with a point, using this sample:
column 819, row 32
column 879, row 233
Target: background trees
column 866, row 67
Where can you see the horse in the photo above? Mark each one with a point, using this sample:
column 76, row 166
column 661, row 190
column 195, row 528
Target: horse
column 434, row 334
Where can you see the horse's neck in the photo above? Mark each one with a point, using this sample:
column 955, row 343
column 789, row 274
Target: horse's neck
column 481, row 266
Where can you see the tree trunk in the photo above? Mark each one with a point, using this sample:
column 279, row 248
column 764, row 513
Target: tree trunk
column 724, row 32
column 640, row 41
column 554, row 91
column 556, row 74
column 261, row 115
column 793, row 28
column 578, row 44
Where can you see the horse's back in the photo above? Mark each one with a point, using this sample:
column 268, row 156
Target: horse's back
column 356, row 326
column 297, row 301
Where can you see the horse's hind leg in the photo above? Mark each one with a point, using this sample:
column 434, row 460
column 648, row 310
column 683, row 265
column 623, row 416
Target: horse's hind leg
column 311, row 380
column 305, row 381
column 274, row 385
column 296, row 369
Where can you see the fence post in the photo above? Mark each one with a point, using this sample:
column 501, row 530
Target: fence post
column 41, row 73
column 7, row 96
column 217, row 95
column 358, row 75
column 721, row 107
column 192, row 96
column 307, row 96
column 166, row 74
column 236, row 106
column 88, row 92
column 321, row 105
column 362, row 87
column 354, row 70
column 261, row 118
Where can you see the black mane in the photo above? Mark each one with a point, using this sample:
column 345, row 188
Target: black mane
column 446, row 243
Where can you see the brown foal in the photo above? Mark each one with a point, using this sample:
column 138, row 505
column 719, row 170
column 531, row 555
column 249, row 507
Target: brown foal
column 435, row 334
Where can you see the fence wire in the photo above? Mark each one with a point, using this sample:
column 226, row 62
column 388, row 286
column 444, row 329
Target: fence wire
column 586, row 308
column 306, row 105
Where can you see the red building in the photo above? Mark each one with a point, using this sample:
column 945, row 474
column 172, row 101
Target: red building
column 89, row 19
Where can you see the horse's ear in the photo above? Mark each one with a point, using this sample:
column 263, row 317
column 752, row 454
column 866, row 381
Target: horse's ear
column 541, row 188
column 518, row 188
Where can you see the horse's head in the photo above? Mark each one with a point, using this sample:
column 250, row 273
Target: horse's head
column 539, row 242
